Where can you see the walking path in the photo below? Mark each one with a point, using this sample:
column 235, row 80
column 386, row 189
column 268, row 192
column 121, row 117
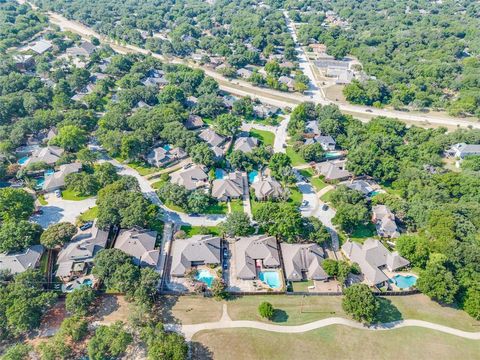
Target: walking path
column 225, row 323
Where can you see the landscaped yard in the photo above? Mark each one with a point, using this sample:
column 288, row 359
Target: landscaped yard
column 266, row 137
column 334, row 342
column 158, row 184
column 302, row 286
column 360, row 234
column 217, row 208
column 42, row 201
column 295, row 196
column 317, row 183
column 143, row 168
column 73, row 195
column 294, row 156
column 89, row 215
column 198, row 230
column 327, row 196
column 189, row 309
column 236, row 205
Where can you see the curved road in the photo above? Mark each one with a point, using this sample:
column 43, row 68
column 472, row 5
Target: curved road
column 190, row 330
column 269, row 96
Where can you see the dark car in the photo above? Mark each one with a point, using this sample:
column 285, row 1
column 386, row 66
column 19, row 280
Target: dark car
column 225, row 252
column 86, row 226
column 225, row 265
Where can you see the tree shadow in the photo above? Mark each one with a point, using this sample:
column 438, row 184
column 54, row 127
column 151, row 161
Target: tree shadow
column 165, row 305
column 200, row 352
column 387, row 312
column 279, row 316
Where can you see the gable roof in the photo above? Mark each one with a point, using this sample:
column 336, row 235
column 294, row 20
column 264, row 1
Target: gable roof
column 41, row 46
column 267, row 187
column 231, row 186
column 371, row 256
column 48, row 155
column 191, row 178
column 245, row 144
column 333, row 170
column 197, row 249
column 21, row 261
column 140, row 244
column 82, row 249
column 57, row 179
column 303, row 258
column 211, row 137
column 251, row 248
column 193, row 122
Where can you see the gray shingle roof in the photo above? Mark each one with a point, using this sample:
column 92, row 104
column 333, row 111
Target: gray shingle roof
column 48, row 155
column 57, row 179
column 299, row 259
column 199, row 249
column 333, row 170
column 267, row 188
column 245, row 144
column 249, row 249
column 211, row 137
column 191, row 178
column 21, row 261
column 140, row 244
column 229, row 187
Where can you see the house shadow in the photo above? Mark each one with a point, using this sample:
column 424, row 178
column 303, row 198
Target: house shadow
column 387, row 312
column 200, row 352
column 279, row 316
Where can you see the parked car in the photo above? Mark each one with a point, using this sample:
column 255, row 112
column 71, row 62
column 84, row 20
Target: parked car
column 324, row 207
column 185, row 167
column 369, row 110
column 304, row 203
column 58, row 194
column 86, row 226
column 225, row 265
column 225, row 253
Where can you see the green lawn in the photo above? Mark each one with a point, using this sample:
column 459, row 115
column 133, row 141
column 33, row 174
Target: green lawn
column 174, row 207
column 295, row 196
column 294, row 156
column 142, row 167
column 333, row 342
column 156, row 185
column 44, row 263
column 42, row 201
column 266, row 137
column 316, row 181
column 360, row 234
column 327, row 196
column 89, row 215
column 302, row 286
column 218, row 208
column 199, row 230
column 73, row 195
column 236, row 205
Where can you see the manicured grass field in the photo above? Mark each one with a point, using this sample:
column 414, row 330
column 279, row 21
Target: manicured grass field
column 295, row 157
column 334, row 342
column 295, row 196
column 237, row 205
column 197, row 230
column 143, row 168
column 189, row 309
column 217, row 208
column 317, row 183
column 266, row 137
column 302, row 285
column 327, row 196
column 360, row 234
column 72, row 195
column 89, row 215
column 42, row 201
column 158, row 184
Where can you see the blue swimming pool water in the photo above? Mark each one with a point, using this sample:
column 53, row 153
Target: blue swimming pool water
column 271, row 278
column 375, row 192
column 219, row 174
column 23, row 160
column 166, row 147
column 49, row 172
column 88, row 282
column 332, row 154
column 205, row 276
column 252, row 176
column 405, row 282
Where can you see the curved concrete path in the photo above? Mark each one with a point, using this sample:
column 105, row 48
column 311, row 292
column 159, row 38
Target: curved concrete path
column 225, row 323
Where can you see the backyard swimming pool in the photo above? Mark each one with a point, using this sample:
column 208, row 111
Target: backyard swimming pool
column 404, row 282
column 41, row 181
column 219, row 174
column 167, row 147
column 271, row 278
column 23, row 160
column 333, row 154
column 375, row 192
column 252, row 176
column 205, row 276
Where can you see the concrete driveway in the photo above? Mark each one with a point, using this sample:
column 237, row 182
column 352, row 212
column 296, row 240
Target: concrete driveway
column 60, row 210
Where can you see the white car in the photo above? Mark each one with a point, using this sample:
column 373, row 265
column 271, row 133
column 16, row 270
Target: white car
column 58, row 194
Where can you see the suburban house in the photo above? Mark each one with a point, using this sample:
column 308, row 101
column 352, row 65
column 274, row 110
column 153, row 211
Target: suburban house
column 212, row 138
column 333, row 170
column 76, row 257
column 303, row 262
column 244, row 73
column 24, row 62
column 230, row 187
column 288, row 81
column 312, row 127
column 342, row 76
column 384, row 221
column 245, row 144
column 326, row 141
column 195, row 251
column 18, row 262
column 264, row 111
column 155, row 78
column 462, row 150
column 194, row 122
column 57, row 179
column 267, row 188
column 40, row 46
column 48, row 155
column 85, row 49
column 192, row 178
column 253, row 253
column 140, row 244
column 372, row 257
column 362, row 186
column 163, row 155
